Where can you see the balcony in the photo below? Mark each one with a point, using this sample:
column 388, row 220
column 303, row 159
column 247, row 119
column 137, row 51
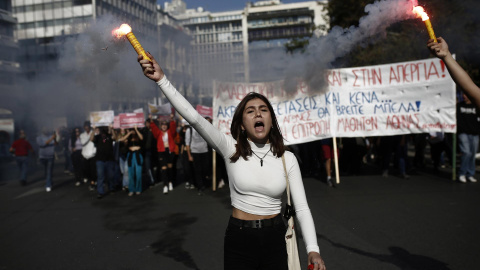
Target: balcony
column 7, row 66
column 7, row 17
column 8, row 41
column 279, row 33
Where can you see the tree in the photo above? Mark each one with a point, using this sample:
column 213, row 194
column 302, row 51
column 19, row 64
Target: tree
column 456, row 21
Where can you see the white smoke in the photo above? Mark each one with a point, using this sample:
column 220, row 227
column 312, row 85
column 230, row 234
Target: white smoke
column 323, row 51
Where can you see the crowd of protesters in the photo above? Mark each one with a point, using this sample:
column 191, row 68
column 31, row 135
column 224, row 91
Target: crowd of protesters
column 108, row 160
column 169, row 153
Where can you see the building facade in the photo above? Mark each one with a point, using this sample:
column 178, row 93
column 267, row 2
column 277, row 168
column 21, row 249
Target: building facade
column 217, row 48
column 274, row 29
column 174, row 45
column 43, row 25
column 9, row 75
column 236, row 46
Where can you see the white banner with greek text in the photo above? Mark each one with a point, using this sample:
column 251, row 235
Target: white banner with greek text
column 392, row 99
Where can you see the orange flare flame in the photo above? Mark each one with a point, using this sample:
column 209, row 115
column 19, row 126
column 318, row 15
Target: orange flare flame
column 122, row 30
column 420, row 13
column 126, row 30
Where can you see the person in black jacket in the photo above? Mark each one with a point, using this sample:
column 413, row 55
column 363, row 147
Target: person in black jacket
column 468, row 129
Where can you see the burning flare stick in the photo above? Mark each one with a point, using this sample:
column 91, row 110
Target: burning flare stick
column 420, row 12
column 126, row 30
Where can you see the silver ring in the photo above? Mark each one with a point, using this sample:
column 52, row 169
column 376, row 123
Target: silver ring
column 315, row 263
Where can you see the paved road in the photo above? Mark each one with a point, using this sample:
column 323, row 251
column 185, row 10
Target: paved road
column 367, row 222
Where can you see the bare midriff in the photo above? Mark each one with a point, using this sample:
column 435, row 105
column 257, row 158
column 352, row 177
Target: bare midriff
column 236, row 213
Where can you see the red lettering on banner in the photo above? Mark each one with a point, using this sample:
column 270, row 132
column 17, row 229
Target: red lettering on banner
column 405, row 73
column 444, row 126
column 414, row 70
column 267, row 90
column 333, row 77
column 369, row 76
column 402, row 121
column 304, row 130
column 296, row 118
column 237, row 91
column 393, row 76
column 432, row 70
column 352, row 124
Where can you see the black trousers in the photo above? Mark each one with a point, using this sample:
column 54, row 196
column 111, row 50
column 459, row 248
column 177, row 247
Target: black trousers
column 251, row 248
column 165, row 158
column 77, row 165
column 89, row 168
column 200, row 169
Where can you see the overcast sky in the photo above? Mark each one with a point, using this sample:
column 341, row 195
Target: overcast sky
column 222, row 5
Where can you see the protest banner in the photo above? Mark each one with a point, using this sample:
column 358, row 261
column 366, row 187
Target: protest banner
column 163, row 109
column 101, row 118
column 205, row 111
column 116, row 122
column 130, row 120
column 400, row 98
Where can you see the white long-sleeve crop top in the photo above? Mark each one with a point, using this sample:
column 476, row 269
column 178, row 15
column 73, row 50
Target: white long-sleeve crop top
column 254, row 189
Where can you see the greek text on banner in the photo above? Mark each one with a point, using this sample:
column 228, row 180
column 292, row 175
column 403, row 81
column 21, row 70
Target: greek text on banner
column 392, row 99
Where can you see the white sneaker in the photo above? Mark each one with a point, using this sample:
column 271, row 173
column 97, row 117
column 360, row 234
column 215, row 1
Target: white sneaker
column 165, row 190
column 329, row 182
column 472, row 179
column 48, row 189
column 85, row 180
column 170, row 186
column 77, row 184
column 462, row 179
column 221, row 184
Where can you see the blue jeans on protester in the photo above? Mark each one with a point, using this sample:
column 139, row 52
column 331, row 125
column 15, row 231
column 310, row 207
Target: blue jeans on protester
column 468, row 145
column 22, row 162
column 48, row 164
column 135, row 171
column 105, row 172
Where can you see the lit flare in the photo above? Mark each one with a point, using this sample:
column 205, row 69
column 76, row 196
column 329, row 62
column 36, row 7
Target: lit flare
column 126, row 30
column 420, row 13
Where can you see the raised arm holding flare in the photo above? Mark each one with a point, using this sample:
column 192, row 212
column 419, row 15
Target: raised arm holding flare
column 255, row 235
column 459, row 75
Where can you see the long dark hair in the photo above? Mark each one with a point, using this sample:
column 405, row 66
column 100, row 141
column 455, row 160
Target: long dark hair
column 243, row 148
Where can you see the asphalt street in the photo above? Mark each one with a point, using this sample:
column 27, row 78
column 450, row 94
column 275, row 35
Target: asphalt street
column 366, row 222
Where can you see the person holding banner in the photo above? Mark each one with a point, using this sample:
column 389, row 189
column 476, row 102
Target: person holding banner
column 134, row 160
column 253, row 154
column 165, row 136
column 458, row 74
